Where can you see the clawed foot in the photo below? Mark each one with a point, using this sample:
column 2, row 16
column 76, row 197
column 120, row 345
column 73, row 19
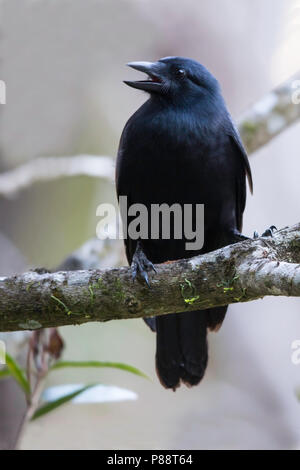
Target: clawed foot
column 140, row 264
column 236, row 236
column 267, row 233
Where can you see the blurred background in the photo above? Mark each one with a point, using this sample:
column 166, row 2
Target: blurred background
column 63, row 63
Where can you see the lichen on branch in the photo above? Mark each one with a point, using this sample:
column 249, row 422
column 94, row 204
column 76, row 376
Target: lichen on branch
column 237, row 273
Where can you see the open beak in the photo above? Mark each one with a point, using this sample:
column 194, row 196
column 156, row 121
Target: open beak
column 155, row 80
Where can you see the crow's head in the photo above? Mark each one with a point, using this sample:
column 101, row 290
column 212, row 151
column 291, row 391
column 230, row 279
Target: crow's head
column 174, row 77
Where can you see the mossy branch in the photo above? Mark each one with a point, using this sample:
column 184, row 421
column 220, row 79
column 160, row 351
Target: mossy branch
column 238, row 273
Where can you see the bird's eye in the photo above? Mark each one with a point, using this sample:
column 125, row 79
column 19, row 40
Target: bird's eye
column 180, row 73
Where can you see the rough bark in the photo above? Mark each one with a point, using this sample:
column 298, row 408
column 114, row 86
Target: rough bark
column 238, row 273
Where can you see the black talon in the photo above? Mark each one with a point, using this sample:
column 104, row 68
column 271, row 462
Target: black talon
column 269, row 231
column 266, row 233
column 151, row 265
column 141, row 264
column 145, row 276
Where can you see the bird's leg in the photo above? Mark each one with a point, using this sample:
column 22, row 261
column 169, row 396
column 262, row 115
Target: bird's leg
column 236, row 236
column 140, row 264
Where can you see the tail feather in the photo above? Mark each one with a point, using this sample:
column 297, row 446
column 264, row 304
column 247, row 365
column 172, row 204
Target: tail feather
column 193, row 345
column 181, row 348
column 168, row 353
column 215, row 317
column 181, row 345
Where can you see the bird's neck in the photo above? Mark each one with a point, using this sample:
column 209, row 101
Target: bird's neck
column 187, row 111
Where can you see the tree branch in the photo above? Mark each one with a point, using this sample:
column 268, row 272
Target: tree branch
column 271, row 115
column 238, row 273
column 51, row 168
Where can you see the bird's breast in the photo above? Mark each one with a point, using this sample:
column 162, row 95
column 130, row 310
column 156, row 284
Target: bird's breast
column 171, row 156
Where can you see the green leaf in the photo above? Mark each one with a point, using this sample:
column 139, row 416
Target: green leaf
column 115, row 365
column 17, row 373
column 44, row 409
column 4, row 373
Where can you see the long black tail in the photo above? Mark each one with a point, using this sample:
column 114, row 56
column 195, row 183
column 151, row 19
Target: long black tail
column 181, row 346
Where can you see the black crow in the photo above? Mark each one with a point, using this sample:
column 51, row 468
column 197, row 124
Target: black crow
column 182, row 147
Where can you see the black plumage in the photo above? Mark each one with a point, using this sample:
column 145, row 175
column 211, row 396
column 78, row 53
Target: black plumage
column 181, row 146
